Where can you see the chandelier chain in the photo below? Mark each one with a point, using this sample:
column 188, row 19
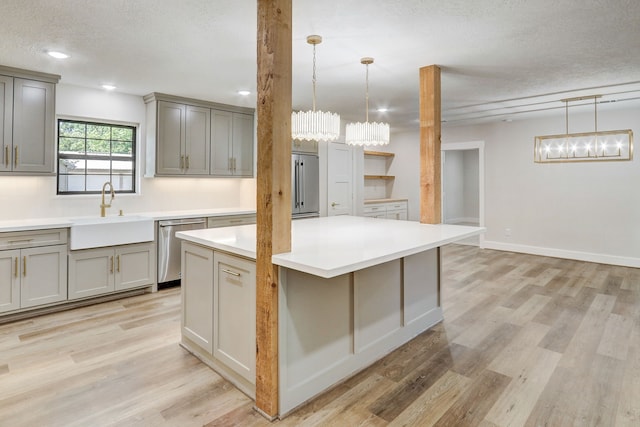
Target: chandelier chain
column 313, row 79
column 367, row 95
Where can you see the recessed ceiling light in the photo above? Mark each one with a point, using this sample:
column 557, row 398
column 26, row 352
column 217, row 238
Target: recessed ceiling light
column 244, row 92
column 108, row 87
column 57, row 55
column 382, row 110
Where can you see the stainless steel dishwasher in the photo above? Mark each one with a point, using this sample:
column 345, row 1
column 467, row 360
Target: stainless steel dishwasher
column 169, row 247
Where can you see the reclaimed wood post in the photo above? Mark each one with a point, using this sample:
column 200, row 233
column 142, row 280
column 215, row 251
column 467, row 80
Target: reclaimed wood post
column 430, row 117
column 273, row 188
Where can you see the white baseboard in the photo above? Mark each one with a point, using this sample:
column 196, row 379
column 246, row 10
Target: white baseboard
column 563, row 253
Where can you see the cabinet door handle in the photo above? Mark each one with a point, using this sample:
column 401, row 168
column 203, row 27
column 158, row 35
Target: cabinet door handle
column 24, row 266
column 118, row 263
column 187, row 163
column 181, row 162
column 6, row 156
column 233, row 273
column 16, row 269
column 334, row 204
column 15, row 158
column 111, row 268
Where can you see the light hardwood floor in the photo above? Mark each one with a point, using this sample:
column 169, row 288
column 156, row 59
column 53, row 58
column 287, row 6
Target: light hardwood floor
column 526, row 341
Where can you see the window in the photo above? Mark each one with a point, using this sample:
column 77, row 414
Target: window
column 90, row 154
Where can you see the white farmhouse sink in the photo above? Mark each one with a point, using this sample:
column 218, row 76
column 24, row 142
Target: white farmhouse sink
column 95, row 232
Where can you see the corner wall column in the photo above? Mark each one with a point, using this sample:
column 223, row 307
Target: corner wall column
column 273, row 232
column 430, row 133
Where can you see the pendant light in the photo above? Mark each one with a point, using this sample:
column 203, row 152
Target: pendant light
column 315, row 125
column 367, row 133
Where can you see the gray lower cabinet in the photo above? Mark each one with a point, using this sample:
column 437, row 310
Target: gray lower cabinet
column 234, row 319
column 99, row 271
column 33, row 269
column 197, row 295
column 390, row 210
column 27, row 122
column 191, row 137
column 230, row 220
column 218, row 311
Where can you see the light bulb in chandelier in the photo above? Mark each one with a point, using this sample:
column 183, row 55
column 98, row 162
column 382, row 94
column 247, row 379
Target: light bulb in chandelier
column 367, row 133
column 315, row 125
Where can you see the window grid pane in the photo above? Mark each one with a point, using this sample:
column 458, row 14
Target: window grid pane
column 91, row 154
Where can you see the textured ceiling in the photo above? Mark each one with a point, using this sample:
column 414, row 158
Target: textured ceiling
column 499, row 58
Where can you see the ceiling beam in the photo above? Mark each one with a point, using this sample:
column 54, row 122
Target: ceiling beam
column 273, row 230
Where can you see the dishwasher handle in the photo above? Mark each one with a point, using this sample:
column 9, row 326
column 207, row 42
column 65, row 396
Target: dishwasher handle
column 172, row 223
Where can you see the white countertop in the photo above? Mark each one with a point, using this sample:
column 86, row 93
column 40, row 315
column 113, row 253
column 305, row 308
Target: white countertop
column 34, row 224
column 196, row 213
column 331, row 246
column 63, row 222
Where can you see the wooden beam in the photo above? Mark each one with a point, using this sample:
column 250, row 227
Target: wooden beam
column 273, row 188
column 430, row 116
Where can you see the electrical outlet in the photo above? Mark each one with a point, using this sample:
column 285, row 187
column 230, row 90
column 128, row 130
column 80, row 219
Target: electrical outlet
column 507, row 232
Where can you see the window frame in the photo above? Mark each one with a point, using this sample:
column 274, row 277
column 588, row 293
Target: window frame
column 107, row 157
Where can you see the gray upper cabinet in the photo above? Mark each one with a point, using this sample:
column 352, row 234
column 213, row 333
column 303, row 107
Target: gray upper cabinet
column 192, row 137
column 6, row 123
column 183, row 139
column 232, row 151
column 33, row 126
column 198, row 140
column 242, row 152
column 27, row 121
column 171, row 135
column 222, row 137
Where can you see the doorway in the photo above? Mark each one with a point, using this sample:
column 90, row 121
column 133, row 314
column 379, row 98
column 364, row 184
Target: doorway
column 463, row 186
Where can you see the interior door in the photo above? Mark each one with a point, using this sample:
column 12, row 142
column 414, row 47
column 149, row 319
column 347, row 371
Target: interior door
column 340, row 179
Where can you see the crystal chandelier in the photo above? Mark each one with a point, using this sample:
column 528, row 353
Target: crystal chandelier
column 315, row 125
column 367, row 133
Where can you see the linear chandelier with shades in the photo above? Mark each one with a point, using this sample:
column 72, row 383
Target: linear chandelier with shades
column 584, row 147
column 367, row 133
column 315, row 125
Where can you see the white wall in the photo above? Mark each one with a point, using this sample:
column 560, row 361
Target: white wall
column 471, row 185
column 587, row 211
column 406, row 169
column 453, row 180
column 460, row 182
column 35, row 197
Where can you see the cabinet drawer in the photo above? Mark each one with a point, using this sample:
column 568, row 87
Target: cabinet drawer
column 397, row 206
column 228, row 221
column 374, row 208
column 30, row 239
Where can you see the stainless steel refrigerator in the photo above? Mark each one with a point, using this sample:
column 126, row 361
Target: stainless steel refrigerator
column 305, row 186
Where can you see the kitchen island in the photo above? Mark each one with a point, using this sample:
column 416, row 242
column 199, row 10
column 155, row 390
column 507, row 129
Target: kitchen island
column 351, row 290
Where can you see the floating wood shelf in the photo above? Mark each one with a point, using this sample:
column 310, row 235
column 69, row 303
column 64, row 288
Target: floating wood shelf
column 387, row 177
column 378, row 153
